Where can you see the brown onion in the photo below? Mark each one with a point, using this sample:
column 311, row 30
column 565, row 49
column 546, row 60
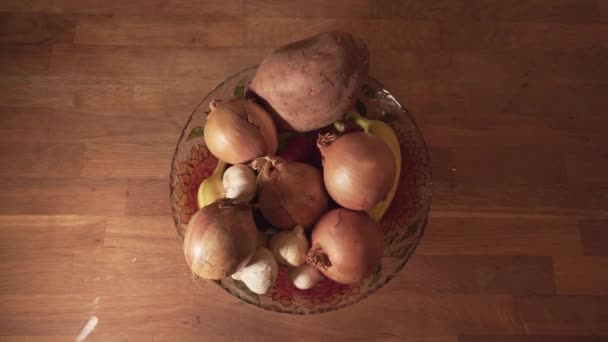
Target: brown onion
column 239, row 131
column 358, row 170
column 290, row 193
column 346, row 245
column 220, row 239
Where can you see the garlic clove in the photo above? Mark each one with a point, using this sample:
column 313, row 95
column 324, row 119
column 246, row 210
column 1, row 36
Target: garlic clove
column 290, row 247
column 239, row 182
column 305, row 276
column 261, row 272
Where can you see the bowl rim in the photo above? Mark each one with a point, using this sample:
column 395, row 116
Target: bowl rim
column 424, row 213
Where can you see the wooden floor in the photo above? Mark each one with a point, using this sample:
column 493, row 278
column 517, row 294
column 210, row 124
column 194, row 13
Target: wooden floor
column 511, row 95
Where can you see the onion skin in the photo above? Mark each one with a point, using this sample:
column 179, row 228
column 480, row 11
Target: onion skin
column 290, row 193
column 359, row 170
column 347, row 246
column 239, row 131
column 220, row 239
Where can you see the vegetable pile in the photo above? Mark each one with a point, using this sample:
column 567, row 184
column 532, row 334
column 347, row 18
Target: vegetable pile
column 293, row 187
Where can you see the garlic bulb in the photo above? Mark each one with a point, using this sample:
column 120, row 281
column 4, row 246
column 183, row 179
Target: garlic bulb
column 305, row 276
column 290, row 247
column 261, row 272
column 239, row 182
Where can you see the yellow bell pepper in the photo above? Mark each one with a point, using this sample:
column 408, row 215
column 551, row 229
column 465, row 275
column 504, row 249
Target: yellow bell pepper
column 383, row 131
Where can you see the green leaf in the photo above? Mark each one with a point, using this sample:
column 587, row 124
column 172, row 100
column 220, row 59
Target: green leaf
column 239, row 89
column 241, row 286
column 195, row 133
column 361, row 108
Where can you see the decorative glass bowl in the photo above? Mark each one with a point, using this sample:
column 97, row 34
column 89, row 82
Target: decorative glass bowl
column 402, row 225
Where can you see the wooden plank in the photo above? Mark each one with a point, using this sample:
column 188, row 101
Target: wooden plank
column 148, row 197
column 105, row 94
column 101, row 95
column 505, row 67
column 130, row 160
column 185, row 93
column 19, row 124
column 500, row 236
column 138, row 251
column 56, row 338
column 112, row 61
column 517, row 275
column 42, row 255
column 67, row 314
column 151, row 62
column 93, row 337
column 216, row 63
column 581, row 275
column 31, row 159
column 535, row 338
column 170, row 314
column 562, row 125
column 35, row 92
column 568, row 11
column 24, row 59
column 160, row 31
column 308, row 9
column 521, row 199
column 273, row 32
column 423, row 316
column 594, row 236
column 563, row 315
column 413, row 65
column 509, row 165
column 492, row 36
column 135, row 127
column 543, row 99
column 603, row 11
column 461, row 118
column 58, row 196
column 587, row 165
column 44, row 314
column 36, row 28
column 510, row 101
column 133, row 7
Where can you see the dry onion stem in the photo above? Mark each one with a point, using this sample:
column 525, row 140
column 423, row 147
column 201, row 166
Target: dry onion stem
column 323, row 142
column 317, row 258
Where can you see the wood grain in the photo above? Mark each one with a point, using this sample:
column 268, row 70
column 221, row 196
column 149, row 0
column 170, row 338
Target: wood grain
column 517, row 275
column 581, row 275
column 594, row 236
column 501, row 235
column 536, row 338
column 510, row 96
column 483, row 10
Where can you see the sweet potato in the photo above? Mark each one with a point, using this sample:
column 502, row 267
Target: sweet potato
column 311, row 83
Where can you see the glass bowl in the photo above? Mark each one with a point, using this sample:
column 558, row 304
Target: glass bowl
column 402, row 225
